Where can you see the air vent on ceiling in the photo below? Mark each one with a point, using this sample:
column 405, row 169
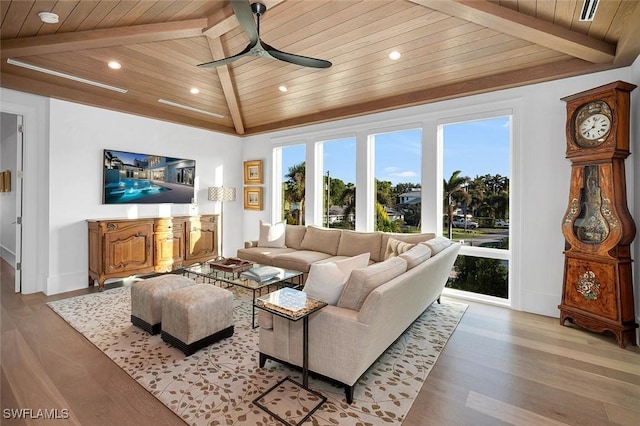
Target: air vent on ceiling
column 588, row 10
column 33, row 67
column 201, row 111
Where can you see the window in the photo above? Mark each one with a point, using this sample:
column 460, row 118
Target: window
column 292, row 179
column 476, row 170
column 398, row 195
column 338, row 183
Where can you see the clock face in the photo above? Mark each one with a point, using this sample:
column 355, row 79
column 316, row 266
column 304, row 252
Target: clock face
column 595, row 127
column 592, row 124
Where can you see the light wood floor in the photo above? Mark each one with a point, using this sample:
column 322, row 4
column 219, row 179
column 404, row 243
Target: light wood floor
column 499, row 367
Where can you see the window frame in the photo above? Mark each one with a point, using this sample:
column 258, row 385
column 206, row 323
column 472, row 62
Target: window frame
column 482, row 252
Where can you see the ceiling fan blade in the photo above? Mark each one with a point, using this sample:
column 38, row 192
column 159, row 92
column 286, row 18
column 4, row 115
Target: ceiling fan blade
column 244, row 14
column 229, row 59
column 304, row 61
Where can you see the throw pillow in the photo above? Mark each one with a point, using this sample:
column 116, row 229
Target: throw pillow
column 396, row 247
column 437, row 244
column 416, row 255
column 364, row 280
column 272, row 235
column 350, row 263
column 326, row 280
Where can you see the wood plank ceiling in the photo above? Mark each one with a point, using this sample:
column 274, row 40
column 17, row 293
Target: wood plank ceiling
column 449, row 48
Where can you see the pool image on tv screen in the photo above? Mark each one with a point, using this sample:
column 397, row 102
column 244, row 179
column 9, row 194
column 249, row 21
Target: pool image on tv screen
column 133, row 178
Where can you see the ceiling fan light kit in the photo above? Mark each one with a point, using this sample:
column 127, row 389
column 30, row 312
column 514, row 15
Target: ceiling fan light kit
column 245, row 14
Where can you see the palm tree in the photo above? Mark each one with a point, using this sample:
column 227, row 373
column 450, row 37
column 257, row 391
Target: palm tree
column 294, row 191
column 348, row 200
column 454, row 192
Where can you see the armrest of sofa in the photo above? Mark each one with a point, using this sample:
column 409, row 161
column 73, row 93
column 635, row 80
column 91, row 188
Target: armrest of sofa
column 249, row 244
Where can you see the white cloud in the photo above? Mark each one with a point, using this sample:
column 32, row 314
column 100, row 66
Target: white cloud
column 405, row 174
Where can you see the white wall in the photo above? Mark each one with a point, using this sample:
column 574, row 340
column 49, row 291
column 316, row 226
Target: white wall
column 8, row 158
column 63, row 180
column 540, row 172
column 78, row 136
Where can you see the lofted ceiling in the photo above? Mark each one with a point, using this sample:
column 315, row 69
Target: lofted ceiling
column 449, row 49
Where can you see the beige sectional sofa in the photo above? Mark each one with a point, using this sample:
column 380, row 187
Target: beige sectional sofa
column 405, row 275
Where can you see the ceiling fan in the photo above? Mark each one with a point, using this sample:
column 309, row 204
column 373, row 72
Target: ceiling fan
column 256, row 47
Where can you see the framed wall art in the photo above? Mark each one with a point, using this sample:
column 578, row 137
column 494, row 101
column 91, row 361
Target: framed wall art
column 253, row 198
column 253, row 172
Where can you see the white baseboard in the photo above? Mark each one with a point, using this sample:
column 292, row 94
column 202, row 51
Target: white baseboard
column 8, row 256
column 57, row 284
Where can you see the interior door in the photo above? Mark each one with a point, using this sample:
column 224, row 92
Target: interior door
column 18, row 187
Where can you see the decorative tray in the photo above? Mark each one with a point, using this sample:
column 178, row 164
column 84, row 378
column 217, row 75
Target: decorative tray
column 231, row 264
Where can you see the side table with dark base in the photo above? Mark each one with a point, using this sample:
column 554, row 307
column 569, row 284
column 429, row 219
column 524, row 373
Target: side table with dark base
column 293, row 305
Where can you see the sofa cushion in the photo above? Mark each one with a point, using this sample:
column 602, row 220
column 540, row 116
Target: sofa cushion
column 321, row 239
column 364, row 280
column 299, row 260
column 418, row 254
column 437, row 244
column 262, row 255
column 407, row 238
column 326, row 280
column 353, row 243
column 294, row 235
column 396, row 247
column 272, row 235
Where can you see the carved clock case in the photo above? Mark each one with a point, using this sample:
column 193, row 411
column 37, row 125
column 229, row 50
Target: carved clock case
column 598, row 228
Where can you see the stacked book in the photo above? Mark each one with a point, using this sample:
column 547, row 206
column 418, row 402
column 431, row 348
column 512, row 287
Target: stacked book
column 261, row 273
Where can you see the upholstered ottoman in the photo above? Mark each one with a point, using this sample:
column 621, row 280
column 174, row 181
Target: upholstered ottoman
column 197, row 316
column 146, row 299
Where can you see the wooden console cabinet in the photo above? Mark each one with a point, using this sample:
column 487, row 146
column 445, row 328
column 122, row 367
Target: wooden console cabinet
column 120, row 248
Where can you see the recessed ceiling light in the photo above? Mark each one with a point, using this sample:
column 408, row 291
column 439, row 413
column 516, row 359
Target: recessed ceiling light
column 114, row 65
column 195, row 90
column 395, row 55
column 49, row 17
column 283, row 88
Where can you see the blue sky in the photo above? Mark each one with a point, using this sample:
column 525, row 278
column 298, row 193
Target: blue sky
column 475, row 147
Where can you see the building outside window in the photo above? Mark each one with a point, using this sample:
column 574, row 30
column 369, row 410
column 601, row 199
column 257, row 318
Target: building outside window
column 398, row 195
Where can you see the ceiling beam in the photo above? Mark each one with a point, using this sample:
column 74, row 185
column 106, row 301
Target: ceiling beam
column 472, row 86
column 629, row 42
column 508, row 21
column 92, row 39
column 227, row 85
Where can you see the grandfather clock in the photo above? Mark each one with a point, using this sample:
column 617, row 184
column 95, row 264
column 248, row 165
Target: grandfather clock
column 598, row 229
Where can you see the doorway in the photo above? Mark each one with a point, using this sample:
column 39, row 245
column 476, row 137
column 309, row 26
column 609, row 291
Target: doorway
column 11, row 161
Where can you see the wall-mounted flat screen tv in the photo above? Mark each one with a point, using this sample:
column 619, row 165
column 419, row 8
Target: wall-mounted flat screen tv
column 133, row 178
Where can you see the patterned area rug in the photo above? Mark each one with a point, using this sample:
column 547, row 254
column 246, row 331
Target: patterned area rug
column 215, row 386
